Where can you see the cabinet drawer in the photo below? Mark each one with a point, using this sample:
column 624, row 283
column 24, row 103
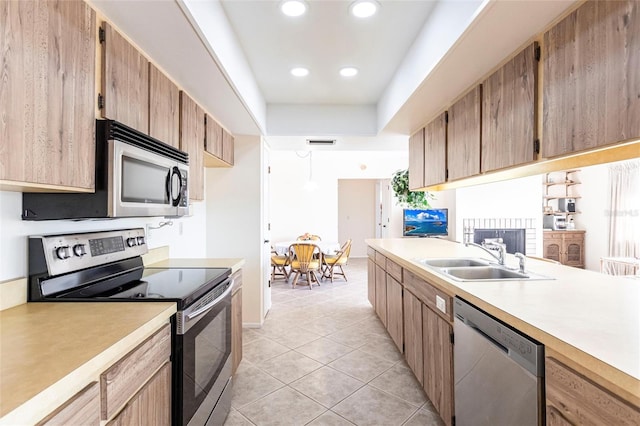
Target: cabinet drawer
column 371, row 253
column 82, row 409
column 580, row 401
column 381, row 260
column 394, row 270
column 427, row 294
column 120, row 382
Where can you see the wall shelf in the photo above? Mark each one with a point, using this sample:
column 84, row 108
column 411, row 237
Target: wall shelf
column 559, row 186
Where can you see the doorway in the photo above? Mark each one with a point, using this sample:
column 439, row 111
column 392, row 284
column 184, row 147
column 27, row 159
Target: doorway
column 357, row 213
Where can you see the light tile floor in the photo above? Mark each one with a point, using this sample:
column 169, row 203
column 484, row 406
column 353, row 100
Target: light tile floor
column 323, row 357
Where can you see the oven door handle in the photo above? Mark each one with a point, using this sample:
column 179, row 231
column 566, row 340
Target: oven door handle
column 211, row 304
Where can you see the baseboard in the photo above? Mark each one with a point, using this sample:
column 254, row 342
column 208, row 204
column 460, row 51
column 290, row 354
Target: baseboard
column 251, row 325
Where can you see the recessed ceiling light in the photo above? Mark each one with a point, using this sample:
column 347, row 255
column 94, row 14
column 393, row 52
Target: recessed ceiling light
column 293, row 7
column 363, row 8
column 299, row 71
column 348, row 71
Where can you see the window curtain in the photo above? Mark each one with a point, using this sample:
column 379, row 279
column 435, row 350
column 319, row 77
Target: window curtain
column 624, row 212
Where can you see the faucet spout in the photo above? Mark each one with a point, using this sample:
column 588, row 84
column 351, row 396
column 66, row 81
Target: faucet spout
column 490, row 248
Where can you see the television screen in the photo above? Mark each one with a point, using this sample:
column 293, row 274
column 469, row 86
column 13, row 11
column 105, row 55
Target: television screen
column 425, row 222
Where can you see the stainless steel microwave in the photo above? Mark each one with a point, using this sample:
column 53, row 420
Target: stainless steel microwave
column 136, row 176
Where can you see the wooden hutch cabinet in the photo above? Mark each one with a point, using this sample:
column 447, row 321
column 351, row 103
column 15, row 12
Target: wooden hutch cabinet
column 566, row 247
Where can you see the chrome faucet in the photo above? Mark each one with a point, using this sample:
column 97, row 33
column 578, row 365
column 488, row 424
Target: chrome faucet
column 522, row 260
column 490, row 248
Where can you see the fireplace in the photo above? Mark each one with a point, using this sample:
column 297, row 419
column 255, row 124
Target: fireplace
column 519, row 225
column 513, row 239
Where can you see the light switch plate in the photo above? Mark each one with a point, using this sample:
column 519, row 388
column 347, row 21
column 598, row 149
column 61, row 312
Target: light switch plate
column 440, row 304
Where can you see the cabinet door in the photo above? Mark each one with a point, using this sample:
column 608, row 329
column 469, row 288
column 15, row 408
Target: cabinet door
column 435, row 144
column 413, row 334
column 228, row 145
column 381, row 294
column 192, row 142
column 371, row 282
column 47, row 93
column 214, row 137
column 579, row 401
column 553, row 250
column 125, row 81
column 416, row 160
column 151, row 405
column 573, row 250
column 438, row 363
column 394, row 311
column 463, row 136
column 509, row 99
column 164, row 103
column 591, row 84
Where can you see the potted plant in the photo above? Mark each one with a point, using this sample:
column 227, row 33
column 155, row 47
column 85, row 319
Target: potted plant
column 406, row 197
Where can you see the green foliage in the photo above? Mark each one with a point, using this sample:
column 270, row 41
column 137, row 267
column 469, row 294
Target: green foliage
column 411, row 199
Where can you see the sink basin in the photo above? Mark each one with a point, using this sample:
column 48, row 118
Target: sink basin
column 483, row 273
column 454, row 262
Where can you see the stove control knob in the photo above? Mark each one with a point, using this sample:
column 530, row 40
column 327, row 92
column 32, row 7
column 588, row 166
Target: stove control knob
column 63, row 252
column 79, row 250
column 140, row 240
column 132, row 241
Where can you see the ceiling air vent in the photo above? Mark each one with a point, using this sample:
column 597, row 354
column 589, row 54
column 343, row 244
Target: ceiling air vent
column 321, row 141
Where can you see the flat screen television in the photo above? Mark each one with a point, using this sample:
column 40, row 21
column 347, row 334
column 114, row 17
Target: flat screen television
column 425, row 222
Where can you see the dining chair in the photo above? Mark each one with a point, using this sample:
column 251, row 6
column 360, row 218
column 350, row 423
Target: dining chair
column 338, row 260
column 305, row 260
column 279, row 265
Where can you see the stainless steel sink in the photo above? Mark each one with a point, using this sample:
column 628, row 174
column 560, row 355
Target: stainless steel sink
column 483, row 273
column 454, row 262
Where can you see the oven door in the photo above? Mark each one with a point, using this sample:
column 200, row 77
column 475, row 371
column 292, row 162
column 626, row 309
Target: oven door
column 142, row 183
column 202, row 362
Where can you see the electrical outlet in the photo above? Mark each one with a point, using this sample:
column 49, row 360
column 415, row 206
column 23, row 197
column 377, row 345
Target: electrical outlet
column 440, row 304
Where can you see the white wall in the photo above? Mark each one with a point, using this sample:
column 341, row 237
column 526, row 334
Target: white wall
column 517, row 198
column 186, row 236
column 234, row 217
column 295, row 210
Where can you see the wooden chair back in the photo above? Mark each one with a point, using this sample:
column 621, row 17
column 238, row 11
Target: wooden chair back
column 303, row 255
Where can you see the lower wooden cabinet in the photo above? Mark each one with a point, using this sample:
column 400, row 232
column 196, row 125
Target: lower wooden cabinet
column 236, row 321
column 151, row 405
column 572, row 399
column 412, row 314
column 438, row 363
column 381, row 294
column 566, row 247
column 371, row 282
column 394, row 311
column 81, row 409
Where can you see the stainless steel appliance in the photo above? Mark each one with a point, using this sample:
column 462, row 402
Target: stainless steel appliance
column 498, row 371
column 107, row 266
column 136, row 176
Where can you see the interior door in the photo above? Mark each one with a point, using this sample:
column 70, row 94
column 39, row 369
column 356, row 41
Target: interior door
column 383, row 208
column 266, row 226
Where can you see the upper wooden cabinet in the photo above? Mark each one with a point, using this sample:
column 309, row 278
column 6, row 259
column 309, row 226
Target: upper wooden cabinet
column 228, row 146
column 164, row 103
column 463, row 136
column 416, row 160
column 192, row 142
column 591, row 84
column 435, row 151
column 47, row 93
column 213, row 137
column 219, row 143
column 125, row 81
column 509, row 99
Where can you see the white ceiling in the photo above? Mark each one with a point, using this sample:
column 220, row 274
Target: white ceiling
column 324, row 40
column 415, row 57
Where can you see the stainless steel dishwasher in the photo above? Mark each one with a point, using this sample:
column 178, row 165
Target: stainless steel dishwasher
column 498, row 371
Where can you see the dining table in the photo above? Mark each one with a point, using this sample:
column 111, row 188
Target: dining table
column 326, row 247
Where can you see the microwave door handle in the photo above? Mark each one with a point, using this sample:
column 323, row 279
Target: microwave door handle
column 175, row 172
column 168, row 185
column 211, row 304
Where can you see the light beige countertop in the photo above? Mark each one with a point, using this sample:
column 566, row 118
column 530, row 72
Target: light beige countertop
column 232, row 263
column 50, row 351
column 588, row 319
